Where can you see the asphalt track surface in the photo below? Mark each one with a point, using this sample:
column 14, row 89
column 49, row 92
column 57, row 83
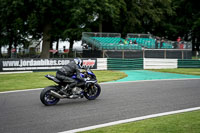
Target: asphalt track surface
column 22, row 112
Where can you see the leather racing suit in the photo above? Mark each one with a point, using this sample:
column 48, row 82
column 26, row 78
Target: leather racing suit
column 65, row 73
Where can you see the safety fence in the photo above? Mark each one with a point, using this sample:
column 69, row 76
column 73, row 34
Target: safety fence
column 149, row 63
column 124, row 64
column 97, row 63
column 148, row 53
column 188, row 63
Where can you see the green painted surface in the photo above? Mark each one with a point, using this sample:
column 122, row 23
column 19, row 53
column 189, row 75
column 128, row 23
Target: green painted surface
column 187, row 63
column 124, row 64
column 135, row 75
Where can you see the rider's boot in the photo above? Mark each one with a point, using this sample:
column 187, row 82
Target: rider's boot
column 66, row 87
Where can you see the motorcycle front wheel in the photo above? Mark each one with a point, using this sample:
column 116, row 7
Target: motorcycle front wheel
column 93, row 92
column 46, row 97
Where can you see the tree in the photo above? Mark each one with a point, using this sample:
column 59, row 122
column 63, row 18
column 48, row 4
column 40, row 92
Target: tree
column 84, row 14
column 142, row 16
column 12, row 23
column 46, row 19
column 185, row 22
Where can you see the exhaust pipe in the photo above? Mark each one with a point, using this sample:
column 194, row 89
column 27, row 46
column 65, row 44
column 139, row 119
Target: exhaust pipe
column 55, row 94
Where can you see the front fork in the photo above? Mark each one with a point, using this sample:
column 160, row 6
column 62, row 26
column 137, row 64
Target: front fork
column 89, row 87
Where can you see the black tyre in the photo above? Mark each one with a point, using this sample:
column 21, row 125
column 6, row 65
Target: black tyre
column 46, row 98
column 93, row 92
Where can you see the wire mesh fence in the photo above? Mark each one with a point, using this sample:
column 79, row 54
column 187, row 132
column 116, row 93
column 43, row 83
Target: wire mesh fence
column 99, row 34
column 61, row 53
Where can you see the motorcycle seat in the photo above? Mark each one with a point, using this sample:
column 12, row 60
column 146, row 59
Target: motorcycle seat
column 51, row 77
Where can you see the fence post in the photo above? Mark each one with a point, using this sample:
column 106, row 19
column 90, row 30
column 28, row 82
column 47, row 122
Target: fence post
column 123, row 54
column 165, row 54
column 103, row 53
column 143, row 50
column 182, row 55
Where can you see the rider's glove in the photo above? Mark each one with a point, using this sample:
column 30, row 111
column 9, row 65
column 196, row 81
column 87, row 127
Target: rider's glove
column 85, row 80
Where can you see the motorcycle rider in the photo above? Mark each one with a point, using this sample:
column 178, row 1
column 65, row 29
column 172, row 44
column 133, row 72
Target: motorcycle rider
column 65, row 73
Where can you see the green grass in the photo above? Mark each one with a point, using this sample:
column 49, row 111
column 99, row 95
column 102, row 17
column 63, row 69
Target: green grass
column 22, row 81
column 178, row 123
column 104, row 76
column 188, row 71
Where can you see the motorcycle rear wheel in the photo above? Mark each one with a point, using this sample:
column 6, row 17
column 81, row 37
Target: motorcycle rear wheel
column 46, row 98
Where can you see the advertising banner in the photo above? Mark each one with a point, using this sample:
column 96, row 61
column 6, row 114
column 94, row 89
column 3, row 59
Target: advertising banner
column 40, row 64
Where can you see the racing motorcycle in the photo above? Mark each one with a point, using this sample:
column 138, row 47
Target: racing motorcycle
column 89, row 89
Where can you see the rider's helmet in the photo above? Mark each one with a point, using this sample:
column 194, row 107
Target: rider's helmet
column 78, row 62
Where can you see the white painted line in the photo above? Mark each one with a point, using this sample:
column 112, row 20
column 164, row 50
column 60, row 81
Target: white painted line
column 16, row 72
column 106, row 83
column 130, row 120
column 20, row 90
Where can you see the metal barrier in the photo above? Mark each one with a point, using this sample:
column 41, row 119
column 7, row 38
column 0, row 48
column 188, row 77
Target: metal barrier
column 148, row 53
column 133, row 35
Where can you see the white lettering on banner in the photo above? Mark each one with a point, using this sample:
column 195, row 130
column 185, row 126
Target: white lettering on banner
column 30, row 68
column 88, row 63
column 10, row 63
column 42, row 62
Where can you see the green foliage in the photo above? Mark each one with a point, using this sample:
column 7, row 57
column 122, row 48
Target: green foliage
column 144, row 15
column 12, row 23
column 185, row 22
column 65, row 19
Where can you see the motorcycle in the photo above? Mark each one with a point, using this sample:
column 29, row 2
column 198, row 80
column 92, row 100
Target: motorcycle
column 89, row 89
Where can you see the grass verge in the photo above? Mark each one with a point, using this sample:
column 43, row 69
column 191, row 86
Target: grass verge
column 21, row 81
column 178, row 123
column 188, row 71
